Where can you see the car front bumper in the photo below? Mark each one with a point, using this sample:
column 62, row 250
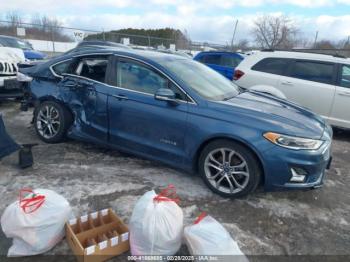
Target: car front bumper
column 279, row 163
column 10, row 87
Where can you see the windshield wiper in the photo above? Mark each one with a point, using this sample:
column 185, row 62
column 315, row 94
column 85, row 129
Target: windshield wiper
column 228, row 98
column 242, row 89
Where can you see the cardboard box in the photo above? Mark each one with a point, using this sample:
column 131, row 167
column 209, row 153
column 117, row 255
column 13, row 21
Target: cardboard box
column 97, row 236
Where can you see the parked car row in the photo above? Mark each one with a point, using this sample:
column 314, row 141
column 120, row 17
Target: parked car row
column 9, row 60
column 25, row 46
column 14, row 52
column 175, row 110
column 318, row 82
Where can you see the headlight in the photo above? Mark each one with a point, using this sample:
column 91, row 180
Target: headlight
column 23, row 78
column 293, row 142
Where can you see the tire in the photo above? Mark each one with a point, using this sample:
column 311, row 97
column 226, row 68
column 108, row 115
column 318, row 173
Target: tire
column 58, row 120
column 240, row 163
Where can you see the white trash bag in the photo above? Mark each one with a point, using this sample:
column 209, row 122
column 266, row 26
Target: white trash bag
column 208, row 237
column 35, row 222
column 156, row 224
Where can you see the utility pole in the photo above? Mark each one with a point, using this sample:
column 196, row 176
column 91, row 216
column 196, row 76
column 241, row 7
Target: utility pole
column 316, row 36
column 103, row 34
column 53, row 40
column 234, row 33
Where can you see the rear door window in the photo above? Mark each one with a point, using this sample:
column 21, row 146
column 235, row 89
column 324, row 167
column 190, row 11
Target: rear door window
column 345, row 76
column 93, row 68
column 313, row 71
column 276, row 66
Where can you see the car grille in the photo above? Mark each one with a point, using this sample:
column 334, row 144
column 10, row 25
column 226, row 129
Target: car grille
column 8, row 69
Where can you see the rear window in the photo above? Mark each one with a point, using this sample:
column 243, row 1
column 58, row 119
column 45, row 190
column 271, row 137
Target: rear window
column 213, row 59
column 200, row 59
column 230, row 61
column 313, row 71
column 276, row 66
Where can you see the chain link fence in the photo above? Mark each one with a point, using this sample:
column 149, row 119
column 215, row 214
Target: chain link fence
column 54, row 39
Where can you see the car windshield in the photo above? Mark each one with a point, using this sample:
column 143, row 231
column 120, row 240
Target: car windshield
column 206, row 82
column 16, row 43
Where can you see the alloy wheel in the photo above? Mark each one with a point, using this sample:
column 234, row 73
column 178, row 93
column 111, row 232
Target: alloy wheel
column 226, row 170
column 48, row 121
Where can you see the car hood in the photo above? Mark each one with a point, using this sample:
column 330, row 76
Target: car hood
column 276, row 115
column 11, row 55
column 33, row 55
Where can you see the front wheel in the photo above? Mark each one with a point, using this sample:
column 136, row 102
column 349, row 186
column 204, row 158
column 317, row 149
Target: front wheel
column 51, row 121
column 229, row 169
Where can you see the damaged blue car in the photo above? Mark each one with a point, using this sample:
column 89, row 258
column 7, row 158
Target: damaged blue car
column 182, row 113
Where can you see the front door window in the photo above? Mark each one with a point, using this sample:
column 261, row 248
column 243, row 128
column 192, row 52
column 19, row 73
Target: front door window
column 142, row 78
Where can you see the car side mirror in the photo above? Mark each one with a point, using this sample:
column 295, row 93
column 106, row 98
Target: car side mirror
column 166, row 94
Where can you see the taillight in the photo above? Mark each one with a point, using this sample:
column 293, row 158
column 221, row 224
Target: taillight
column 238, row 74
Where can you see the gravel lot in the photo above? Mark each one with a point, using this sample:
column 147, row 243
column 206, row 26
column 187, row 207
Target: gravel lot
column 315, row 222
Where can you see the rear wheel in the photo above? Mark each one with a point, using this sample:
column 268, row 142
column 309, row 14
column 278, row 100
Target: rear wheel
column 51, row 121
column 229, row 169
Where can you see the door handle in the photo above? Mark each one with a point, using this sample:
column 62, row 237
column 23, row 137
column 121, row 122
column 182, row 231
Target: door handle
column 344, row 93
column 90, row 88
column 70, row 84
column 120, row 97
column 287, row 83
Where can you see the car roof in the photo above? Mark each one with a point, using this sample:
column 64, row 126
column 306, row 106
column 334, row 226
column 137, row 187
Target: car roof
column 302, row 55
column 9, row 37
column 219, row 52
column 98, row 43
column 150, row 55
column 82, row 48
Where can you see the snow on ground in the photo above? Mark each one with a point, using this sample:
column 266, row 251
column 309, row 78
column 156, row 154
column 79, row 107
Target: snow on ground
column 93, row 178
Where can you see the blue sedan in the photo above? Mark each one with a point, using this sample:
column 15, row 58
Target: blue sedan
column 182, row 113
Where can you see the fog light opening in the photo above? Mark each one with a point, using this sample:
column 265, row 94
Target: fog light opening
column 298, row 175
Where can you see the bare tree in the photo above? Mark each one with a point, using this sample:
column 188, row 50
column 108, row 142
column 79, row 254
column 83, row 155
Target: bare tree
column 47, row 28
column 243, row 44
column 46, row 23
column 36, row 21
column 325, row 44
column 274, row 32
column 14, row 19
column 345, row 43
column 41, row 28
column 303, row 42
column 182, row 39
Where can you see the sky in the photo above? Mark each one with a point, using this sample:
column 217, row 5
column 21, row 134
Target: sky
column 206, row 20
